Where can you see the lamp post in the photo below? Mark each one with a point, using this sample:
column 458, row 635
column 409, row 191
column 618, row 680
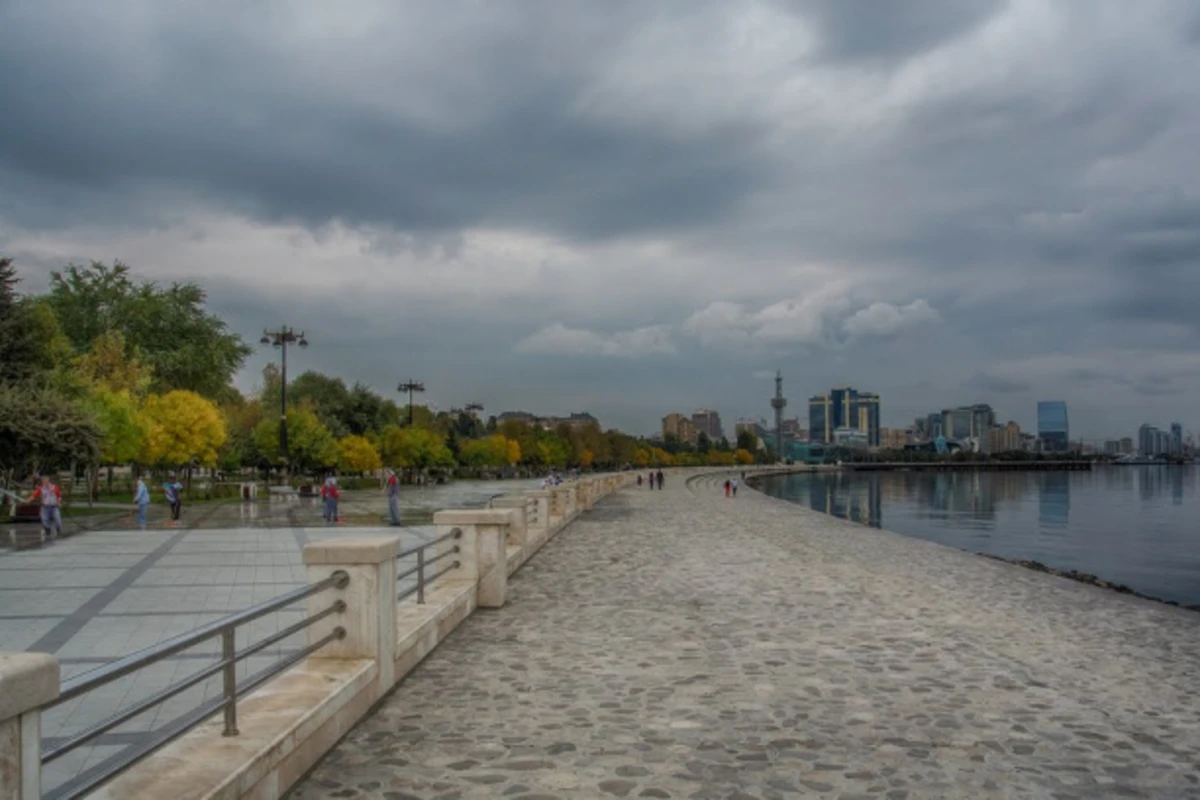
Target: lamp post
column 473, row 409
column 410, row 387
column 281, row 339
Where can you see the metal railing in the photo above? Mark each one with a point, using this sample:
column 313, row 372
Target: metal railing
column 231, row 689
column 424, row 561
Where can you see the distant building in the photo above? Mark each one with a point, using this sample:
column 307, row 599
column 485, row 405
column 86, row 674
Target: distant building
column 843, row 407
column 1112, row 447
column 1176, row 439
column 1004, row 438
column 1126, row 447
column 933, row 425
column 894, row 438
column 708, row 422
column 793, row 431
column 965, row 422
column 851, row 438
column 1151, row 441
column 680, row 427
column 1053, row 429
column 516, row 416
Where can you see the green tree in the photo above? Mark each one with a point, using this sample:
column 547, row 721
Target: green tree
column 186, row 347
column 40, row 428
column 415, row 448
column 310, row 444
column 110, row 365
column 123, row 427
column 746, row 440
column 329, row 398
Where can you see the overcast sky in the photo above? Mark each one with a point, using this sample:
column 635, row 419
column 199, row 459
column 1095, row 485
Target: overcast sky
column 637, row 207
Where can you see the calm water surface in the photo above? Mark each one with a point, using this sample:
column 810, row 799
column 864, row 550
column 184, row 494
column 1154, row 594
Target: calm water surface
column 1139, row 526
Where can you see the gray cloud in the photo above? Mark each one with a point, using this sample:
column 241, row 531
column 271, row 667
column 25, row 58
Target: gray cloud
column 719, row 188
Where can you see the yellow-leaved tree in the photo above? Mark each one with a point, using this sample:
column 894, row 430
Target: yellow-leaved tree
column 743, row 456
column 357, row 454
column 182, row 428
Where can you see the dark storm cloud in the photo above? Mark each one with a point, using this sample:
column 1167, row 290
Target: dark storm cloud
column 1024, row 169
column 871, row 30
column 220, row 116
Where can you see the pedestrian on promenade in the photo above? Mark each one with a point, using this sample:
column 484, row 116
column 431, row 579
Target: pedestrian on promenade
column 727, row 487
column 330, row 495
column 660, row 480
column 141, row 498
column 735, row 485
column 651, row 479
column 173, row 489
column 51, row 509
column 639, row 480
column 393, row 496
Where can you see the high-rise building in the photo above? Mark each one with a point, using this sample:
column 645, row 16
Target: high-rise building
column 1004, row 438
column 1126, row 445
column 933, row 425
column 708, row 422
column 680, row 427
column 967, row 421
column 1176, row 439
column 1149, row 440
column 1112, row 447
column 893, row 438
column 843, row 408
column 1053, row 429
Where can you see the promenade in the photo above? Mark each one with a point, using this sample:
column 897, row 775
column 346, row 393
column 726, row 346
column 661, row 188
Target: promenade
column 679, row 644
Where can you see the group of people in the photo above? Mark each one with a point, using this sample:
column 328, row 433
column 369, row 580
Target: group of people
column 331, row 494
column 48, row 496
column 731, row 485
column 652, row 478
column 172, row 493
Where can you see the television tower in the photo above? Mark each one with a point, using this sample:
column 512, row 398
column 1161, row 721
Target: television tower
column 778, row 402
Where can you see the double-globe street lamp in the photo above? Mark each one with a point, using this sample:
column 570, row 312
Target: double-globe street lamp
column 281, row 339
column 410, row 387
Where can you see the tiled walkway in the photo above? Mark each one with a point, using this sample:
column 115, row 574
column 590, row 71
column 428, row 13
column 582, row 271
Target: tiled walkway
column 97, row 596
column 678, row 644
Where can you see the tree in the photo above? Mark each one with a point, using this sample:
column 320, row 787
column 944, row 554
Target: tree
column 415, row 448
column 586, row 459
column 183, row 428
column 329, row 398
column 746, row 440
column 494, row 451
column 703, row 443
column 42, row 429
column 242, row 417
column 123, row 427
column 110, row 365
column 358, row 455
column 743, row 456
column 185, row 347
column 32, row 346
column 310, row 444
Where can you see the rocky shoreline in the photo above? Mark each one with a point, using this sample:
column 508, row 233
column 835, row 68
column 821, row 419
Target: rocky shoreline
column 1084, row 577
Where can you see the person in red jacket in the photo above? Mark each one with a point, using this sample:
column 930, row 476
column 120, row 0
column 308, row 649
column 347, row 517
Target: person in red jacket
column 51, row 512
column 330, row 494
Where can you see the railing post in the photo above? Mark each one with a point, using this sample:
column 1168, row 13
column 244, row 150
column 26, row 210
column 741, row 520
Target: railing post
column 28, row 681
column 542, row 515
column 229, row 681
column 518, row 529
column 484, row 556
column 369, row 616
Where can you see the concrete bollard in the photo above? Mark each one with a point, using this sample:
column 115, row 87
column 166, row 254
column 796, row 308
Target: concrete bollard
column 27, row 682
column 541, row 517
column 370, row 597
column 484, row 556
column 518, row 529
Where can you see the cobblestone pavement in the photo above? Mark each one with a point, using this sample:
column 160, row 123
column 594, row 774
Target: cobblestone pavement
column 681, row 644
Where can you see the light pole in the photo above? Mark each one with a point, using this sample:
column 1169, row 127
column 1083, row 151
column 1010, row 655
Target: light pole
column 473, row 409
column 410, row 387
column 281, row 339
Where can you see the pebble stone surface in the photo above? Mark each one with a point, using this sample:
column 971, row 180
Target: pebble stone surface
column 679, row 644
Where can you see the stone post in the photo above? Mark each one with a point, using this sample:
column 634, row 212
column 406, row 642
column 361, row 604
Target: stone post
column 518, row 529
column 541, row 519
column 484, row 558
column 370, row 597
column 583, row 494
column 27, row 682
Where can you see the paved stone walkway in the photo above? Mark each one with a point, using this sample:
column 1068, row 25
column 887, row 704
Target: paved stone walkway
column 679, row 644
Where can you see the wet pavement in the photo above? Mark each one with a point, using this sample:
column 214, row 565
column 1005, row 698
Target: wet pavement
column 679, row 644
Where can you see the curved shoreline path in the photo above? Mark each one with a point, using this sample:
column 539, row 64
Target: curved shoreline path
column 681, row 644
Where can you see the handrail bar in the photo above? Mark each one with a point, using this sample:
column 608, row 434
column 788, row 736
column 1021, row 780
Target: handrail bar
column 453, row 533
column 91, row 778
column 106, row 673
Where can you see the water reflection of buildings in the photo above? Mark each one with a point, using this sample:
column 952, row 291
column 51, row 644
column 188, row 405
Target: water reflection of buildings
column 851, row 497
column 1054, row 499
column 971, row 494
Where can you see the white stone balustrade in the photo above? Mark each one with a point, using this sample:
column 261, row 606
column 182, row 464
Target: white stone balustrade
column 28, row 681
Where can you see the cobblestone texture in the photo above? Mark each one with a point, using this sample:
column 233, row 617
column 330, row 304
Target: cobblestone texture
column 679, row 644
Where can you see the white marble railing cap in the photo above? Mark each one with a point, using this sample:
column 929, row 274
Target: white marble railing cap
column 27, row 681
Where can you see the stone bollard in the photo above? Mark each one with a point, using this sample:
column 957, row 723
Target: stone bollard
column 541, row 517
column 484, row 557
column 27, row 682
column 518, row 529
column 584, row 494
column 370, row 597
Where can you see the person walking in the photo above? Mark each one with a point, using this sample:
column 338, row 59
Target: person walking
column 330, row 495
column 173, row 490
column 660, row 480
column 651, row 478
column 639, row 480
column 735, row 485
column 51, row 507
column 727, row 487
column 393, row 496
column 141, row 498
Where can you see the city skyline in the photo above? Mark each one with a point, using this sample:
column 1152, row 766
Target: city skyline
column 633, row 210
